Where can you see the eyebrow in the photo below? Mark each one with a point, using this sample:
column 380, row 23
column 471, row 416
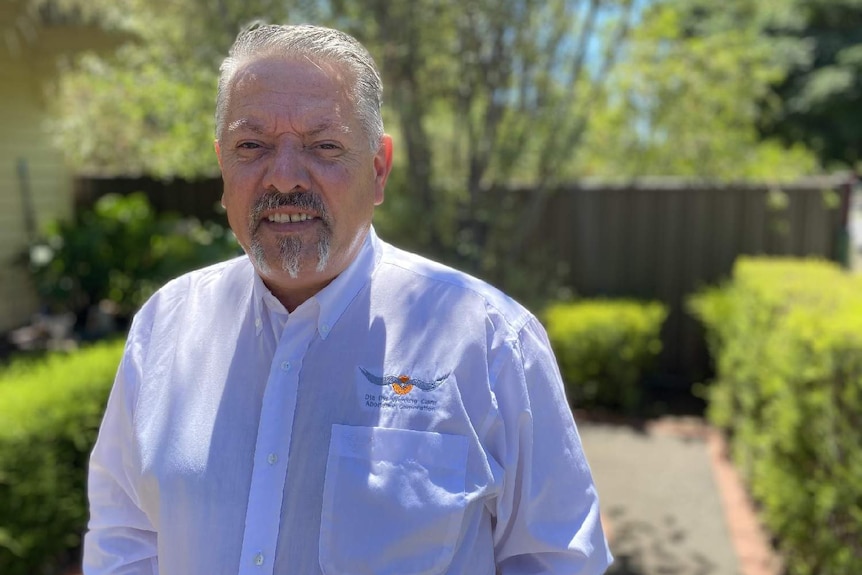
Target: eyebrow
column 258, row 128
column 327, row 126
column 251, row 125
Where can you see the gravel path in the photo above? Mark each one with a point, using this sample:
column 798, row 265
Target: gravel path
column 659, row 495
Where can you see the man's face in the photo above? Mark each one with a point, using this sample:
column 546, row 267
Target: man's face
column 300, row 179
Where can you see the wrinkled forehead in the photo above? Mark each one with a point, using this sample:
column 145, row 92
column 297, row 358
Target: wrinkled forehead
column 289, row 70
column 267, row 93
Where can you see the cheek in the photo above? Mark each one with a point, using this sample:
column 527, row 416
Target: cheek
column 237, row 207
column 229, row 201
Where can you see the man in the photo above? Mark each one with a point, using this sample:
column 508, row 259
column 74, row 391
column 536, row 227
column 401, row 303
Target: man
column 330, row 404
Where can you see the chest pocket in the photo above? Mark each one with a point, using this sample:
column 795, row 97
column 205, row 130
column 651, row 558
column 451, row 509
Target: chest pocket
column 393, row 501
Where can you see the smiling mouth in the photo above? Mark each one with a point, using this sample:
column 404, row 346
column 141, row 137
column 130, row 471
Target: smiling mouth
column 290, row 218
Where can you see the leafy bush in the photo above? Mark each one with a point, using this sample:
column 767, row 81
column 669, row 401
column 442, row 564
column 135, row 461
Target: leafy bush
column 50, row 411
column 786, row 336
column 121, row 251
column 604, row 348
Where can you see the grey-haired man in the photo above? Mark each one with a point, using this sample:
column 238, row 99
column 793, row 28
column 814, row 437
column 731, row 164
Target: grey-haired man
column 329, row 403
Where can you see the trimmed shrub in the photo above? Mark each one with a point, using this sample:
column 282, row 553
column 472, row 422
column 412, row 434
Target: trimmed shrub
column 121, row 251
column 604, row 347
column 51, row 410
column 786, row 336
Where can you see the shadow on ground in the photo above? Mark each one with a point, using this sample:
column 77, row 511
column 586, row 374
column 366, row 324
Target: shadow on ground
column 642, row 548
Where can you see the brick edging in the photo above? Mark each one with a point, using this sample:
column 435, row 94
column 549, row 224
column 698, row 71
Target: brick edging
column 750, row 541
column 753, row 549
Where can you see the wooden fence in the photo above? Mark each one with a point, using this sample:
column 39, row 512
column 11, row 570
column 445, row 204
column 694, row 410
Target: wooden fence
column 652, row 240
column 664, row 240
column 200, row 199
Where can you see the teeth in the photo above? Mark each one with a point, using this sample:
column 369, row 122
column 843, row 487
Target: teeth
column 284, row 218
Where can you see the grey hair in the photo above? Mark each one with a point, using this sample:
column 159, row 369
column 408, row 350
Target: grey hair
column 320, row 45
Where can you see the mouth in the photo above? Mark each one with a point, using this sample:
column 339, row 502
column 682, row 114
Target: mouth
column 281, row 218
column 282, row 223
column 288, row 213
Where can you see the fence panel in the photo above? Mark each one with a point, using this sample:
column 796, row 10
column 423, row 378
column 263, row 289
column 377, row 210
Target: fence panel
column 200, row 198
column 664, row 240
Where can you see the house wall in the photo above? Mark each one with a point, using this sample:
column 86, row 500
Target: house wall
column 24, row 139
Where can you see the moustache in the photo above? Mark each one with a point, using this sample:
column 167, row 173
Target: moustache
column 308, row 201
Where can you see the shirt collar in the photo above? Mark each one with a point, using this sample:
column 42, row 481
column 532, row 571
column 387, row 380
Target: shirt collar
column 334, row 298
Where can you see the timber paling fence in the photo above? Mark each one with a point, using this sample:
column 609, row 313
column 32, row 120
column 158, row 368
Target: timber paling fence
column 650, row 239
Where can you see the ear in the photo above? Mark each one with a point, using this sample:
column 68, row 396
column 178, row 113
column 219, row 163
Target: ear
column 382, row 167
column 218, row 153
column 218, row 157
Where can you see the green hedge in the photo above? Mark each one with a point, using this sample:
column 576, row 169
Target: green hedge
column 604, row 347
column 786, row 337
column 50, row 412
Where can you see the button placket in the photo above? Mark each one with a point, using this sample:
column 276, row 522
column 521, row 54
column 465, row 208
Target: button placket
column 260, row 537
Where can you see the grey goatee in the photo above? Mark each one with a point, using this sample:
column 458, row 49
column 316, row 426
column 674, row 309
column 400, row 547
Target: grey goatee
column 290, row 248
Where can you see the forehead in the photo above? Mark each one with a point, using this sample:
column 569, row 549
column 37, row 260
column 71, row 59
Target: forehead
column 274, row 90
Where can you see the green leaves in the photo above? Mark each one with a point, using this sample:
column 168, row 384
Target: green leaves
column 485, row 93
column 786, row 336
column 822, row 91
column 122, row 251
column 148, row 108
column 50, row 411
column 604, row 348
column 138, row 118
column 687, row 99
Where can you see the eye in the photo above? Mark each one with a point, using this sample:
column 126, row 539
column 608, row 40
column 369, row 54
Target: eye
column 248, row 145
column 328, row 146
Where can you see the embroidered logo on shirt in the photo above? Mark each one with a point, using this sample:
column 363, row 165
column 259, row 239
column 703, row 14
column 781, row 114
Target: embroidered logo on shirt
column 403, row 384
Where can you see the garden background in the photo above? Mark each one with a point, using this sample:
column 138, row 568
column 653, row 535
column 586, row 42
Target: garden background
column 662, row 181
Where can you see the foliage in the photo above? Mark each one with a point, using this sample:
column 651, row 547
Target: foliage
column 604, row 348
column 786, row 336
column 164, row 130
column 121, row 251
column 816, row 101
column 687, row 97
column 149, row 107
column 822, row 94
column 478, row 92
column 50, row 412
column 22, row 19
column 482, row 93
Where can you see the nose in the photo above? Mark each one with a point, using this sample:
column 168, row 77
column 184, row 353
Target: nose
column 286, row 170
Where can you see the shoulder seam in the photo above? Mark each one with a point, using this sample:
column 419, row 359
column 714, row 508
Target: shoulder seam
column 515, row 324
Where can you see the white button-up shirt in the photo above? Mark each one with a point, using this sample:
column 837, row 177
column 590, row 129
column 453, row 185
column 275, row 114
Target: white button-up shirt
column 408, row 419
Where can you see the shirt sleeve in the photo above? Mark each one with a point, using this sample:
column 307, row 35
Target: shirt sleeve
column 121, row 539
column 547, row 516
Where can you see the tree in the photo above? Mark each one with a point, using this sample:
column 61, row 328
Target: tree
column 821, row 96
column 484, row 93
column 687, row 98
column 480, row 95
column 148, row 108
column 817, row 101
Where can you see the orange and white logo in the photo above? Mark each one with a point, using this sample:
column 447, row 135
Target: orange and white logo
column 402, row 384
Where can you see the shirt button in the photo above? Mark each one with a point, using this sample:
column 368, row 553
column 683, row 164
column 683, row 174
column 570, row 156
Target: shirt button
column 257, row 322
column 324, row 328
column 285, row 365
column 258, row 559
column 272, row 458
